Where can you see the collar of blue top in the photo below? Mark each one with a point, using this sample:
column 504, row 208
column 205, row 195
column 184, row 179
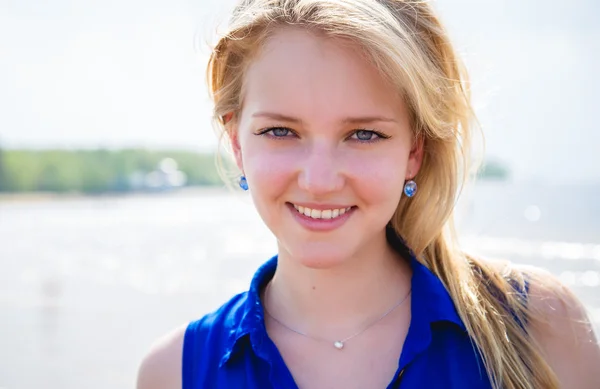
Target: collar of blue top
column 430, row 304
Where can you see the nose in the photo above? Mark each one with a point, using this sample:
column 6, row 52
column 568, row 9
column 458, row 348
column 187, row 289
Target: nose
column 321, row 172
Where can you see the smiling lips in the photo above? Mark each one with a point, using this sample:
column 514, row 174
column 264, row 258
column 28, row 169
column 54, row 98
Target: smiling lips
column 321, row 213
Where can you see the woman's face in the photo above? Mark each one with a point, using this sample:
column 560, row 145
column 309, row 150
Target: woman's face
column 322, row 133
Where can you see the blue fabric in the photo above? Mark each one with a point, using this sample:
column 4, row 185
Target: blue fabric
column 230, row 347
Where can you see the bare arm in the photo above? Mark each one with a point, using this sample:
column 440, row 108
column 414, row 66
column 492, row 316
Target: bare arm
column 161, row 368
column 564, row 333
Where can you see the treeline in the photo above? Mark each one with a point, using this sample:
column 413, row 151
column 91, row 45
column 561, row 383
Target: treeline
column 98, row 171
column 493, row 170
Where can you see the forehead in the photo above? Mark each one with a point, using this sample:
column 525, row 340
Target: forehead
column 318, row 77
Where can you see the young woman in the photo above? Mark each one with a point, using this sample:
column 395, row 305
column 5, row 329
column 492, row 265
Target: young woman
column 350, row 122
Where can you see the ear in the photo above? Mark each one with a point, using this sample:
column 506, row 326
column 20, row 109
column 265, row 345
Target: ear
column 236, row 148
column 415, row 158
column 232, row 133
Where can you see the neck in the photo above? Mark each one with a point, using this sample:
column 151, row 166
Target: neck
column 339, row 299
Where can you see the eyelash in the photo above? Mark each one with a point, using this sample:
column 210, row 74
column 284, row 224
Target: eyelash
column 380, row 136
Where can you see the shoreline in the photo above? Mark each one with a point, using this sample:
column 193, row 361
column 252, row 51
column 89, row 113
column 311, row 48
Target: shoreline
column 34, row 197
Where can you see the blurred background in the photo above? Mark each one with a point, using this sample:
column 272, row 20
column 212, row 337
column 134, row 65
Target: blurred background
column 114, row 225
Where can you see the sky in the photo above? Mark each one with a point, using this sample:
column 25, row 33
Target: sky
column 130, row 73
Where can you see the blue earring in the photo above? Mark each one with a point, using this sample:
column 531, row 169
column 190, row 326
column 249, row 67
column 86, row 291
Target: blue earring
column 410, row 188
column 243, row 183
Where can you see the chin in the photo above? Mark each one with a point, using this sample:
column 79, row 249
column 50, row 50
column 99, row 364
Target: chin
column 319, row 256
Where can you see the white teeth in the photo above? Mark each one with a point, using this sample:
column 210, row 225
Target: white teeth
column 321, row 214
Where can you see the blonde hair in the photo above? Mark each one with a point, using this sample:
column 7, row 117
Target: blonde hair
column 407, row 43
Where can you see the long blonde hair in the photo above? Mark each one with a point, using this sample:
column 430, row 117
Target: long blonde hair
column 405, row 40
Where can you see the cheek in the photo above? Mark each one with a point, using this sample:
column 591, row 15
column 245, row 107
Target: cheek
column 269, row 171
column 379, row 178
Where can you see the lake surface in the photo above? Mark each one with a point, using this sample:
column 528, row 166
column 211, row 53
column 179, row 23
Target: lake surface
column 86, row 284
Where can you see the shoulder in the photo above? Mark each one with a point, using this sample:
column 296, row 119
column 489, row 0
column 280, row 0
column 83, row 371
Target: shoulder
column 161, row 367
column 177, row 353
column 561, row 327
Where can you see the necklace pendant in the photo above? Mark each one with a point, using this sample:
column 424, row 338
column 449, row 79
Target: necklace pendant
column 338, row 344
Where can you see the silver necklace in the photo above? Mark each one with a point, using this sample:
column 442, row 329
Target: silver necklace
column 338, row 344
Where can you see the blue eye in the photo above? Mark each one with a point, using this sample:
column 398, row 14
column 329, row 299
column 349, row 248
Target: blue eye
column 280, row 131
column 367, row 136
column 276, row 132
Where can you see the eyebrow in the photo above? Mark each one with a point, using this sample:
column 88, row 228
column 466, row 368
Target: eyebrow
column 348, row 120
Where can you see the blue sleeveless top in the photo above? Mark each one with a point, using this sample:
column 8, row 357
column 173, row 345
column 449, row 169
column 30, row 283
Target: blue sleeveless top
column 230, row 347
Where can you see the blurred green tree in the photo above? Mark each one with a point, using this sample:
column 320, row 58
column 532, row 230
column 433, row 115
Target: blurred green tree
column 97, row 171
column 3, row 175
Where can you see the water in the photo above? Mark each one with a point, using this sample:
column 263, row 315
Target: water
column 86, row 284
